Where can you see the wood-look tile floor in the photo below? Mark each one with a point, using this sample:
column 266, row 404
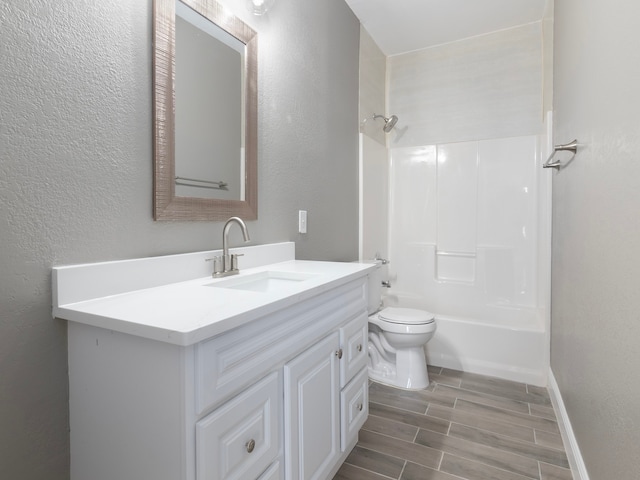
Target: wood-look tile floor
column 463, row 426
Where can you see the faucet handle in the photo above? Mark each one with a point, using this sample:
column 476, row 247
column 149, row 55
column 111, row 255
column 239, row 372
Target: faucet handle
column 234, row 260
column 217, row 264
column 378, row 258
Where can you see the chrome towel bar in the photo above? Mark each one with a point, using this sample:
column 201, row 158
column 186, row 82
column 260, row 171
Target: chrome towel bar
column 194, row 182
column 571, row 147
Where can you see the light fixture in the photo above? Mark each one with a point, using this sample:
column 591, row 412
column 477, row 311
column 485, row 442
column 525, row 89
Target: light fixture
column 259, row 7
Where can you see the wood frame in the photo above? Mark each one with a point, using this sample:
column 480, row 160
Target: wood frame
column 166, row 205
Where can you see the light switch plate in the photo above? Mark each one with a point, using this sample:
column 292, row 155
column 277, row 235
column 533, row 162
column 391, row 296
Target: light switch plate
column 302, row 221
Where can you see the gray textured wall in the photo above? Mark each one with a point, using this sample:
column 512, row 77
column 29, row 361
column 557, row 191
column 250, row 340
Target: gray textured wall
column 76, row 174
column 596, row 231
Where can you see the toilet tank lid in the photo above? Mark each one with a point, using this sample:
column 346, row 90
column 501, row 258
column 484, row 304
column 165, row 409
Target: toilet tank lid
column 409, row 316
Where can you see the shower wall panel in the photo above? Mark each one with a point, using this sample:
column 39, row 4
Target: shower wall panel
column 457, row 186
column 507, row 218
column 463, row 231
column 456, row 221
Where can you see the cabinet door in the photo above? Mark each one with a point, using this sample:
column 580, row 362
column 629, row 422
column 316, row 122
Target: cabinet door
column 312, row 411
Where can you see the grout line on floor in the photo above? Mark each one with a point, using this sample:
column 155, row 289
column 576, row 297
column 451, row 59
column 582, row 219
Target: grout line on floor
column 398, row 440
column 403, row 467
column 491, row 396
column 398, row 408
column 416, row 435
column 372, row 471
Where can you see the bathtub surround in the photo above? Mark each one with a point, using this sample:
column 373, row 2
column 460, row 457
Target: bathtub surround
column 468, row 207
column 464, row 244
column 465, row 214
column 76, row 175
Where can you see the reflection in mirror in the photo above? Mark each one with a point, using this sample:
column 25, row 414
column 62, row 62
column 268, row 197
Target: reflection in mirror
column 205, row 76
column 208, row 102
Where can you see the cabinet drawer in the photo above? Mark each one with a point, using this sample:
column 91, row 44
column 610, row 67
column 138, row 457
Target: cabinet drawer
column 354, row 407
column 241, row 439
column 353, row 341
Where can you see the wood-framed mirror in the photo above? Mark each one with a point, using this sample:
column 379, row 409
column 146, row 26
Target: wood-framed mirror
column 197, row 174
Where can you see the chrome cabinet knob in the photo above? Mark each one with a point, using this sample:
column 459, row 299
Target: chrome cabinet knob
column 339, row 353
column 360, row 407
column 251, row 444
column 359, row 347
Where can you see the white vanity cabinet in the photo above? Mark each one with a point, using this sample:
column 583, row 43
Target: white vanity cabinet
column 281, row 397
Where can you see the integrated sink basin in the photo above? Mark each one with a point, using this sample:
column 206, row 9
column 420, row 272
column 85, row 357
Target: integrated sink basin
column 269, row 281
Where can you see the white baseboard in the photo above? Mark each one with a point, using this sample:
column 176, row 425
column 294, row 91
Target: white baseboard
column 578, row 468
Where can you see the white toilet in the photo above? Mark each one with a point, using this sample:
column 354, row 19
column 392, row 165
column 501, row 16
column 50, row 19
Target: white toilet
column 397, row 337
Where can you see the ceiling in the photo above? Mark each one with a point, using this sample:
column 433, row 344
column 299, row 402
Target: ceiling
column 400, row 26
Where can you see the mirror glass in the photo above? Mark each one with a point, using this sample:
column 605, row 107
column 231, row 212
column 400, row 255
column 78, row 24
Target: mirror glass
column 205, row 77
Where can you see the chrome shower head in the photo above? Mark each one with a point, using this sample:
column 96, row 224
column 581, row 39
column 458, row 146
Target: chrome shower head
column 389, row 123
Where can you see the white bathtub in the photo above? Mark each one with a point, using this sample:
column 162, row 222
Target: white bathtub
column 503, row 342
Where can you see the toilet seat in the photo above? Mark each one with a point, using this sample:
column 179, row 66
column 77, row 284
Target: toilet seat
column 415, row 321
column 406, row 316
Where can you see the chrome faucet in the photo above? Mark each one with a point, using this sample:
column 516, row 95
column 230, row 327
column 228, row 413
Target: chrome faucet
column 226, row 264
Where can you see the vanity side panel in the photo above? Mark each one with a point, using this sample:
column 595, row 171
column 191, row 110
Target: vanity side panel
column 127, row 407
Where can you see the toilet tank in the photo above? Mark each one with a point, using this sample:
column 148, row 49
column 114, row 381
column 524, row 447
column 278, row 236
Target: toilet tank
column 375, row 287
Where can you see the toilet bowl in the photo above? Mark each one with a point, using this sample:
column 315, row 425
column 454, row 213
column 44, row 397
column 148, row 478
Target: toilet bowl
column 397, row 339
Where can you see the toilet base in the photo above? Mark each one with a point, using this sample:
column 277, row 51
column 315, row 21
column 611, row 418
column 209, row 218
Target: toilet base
column 409, row 371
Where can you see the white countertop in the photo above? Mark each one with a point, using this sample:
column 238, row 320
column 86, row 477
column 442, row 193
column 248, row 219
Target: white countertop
column 187, row 312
